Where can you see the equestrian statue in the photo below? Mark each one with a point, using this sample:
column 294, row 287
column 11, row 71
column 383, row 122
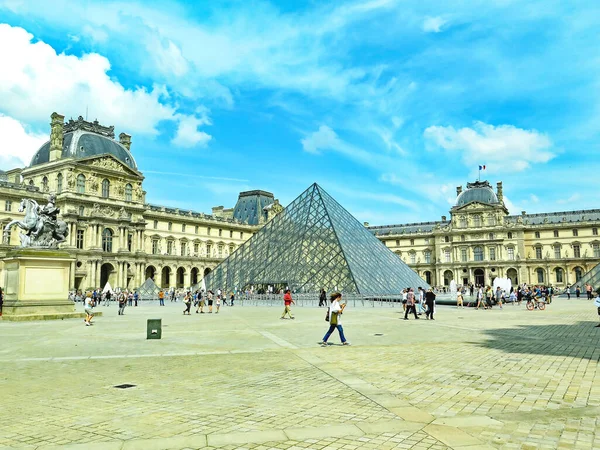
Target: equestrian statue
column 41, row 227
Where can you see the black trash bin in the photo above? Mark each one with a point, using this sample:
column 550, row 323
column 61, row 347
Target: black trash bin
column 154, row 329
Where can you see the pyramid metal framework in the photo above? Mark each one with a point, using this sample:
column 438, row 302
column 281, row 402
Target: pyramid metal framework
column 148, row 290
column 315, row 243
column 592, row 278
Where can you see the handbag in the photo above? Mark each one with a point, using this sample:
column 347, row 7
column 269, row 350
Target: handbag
column 327, row 315
column 334, row 319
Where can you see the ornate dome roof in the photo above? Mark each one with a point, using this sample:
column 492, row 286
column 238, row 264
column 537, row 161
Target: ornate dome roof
column 479, row 191
column 82, row 139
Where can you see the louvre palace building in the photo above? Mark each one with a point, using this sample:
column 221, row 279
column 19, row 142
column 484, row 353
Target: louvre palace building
column 116, row 235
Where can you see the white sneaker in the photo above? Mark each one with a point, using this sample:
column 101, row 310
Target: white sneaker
column 346, row 343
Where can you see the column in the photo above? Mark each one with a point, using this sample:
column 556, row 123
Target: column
column 187, row 278
column 471, row 280
column 158, row 276
column 98, row 274
column 72, row 275
column 172, row 278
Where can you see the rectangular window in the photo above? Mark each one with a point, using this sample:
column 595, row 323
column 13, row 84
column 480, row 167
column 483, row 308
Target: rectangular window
column 170, row 226
column 412, row 242
column 8, row 206
column 463, row 255
column 241, row 235
column 595, row 231
column 447, row 255
column 428, row 257
column 426, row 241
column 476, row 221
column 492, row 254
column 183, row 227
column 463, row 222
column 196, row 248
column 208, row 231
column 538, row 252
column 156, row 224
column 155, row 246
column 397, row 242
column 575, row 233
column 596, row 248
column 183, row 249
column 537, row 234
column 129, row 242
column 208, row 250
column 510, row 235
column 511, row 253
column 555, row 233
column 196, row 229
column 220, row 250
column 492, row 221
column 169, row 247
column 559, row 275
column 220, row 232
column 478, row 254
column 576, row 251
column 230, row 233
column 413, row 258
column 557, row 251
column 79, row 240
column 81, row 210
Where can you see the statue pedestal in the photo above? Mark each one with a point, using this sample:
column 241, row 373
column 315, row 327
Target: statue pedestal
column 36, row 285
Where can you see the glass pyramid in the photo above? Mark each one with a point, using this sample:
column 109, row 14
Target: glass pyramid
column 314, row 243
column 148, row 290
column 592, row 278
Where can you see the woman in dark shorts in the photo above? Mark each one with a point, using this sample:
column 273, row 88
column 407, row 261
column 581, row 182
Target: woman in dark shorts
column 210, row 301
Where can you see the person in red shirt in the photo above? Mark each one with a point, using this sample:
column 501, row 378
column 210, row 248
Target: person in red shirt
column 287, row 300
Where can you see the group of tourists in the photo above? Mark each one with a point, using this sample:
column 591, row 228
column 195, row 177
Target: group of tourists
column 422, row 302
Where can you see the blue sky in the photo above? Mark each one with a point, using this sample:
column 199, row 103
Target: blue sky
column 388, row 104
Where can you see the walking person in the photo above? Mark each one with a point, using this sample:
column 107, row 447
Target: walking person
column 430, row 301
column 136, row 297
column 288, row 302
column 410, row 304
column 499, row 296
column 588, row 291
column 218, row 304
column 459, row 299
column 597, row 305
column 187, row 301
column 480, row 301
column 88, row 308
column 130, row 299
column 122, row 302
column 232, row 298
column 200, row 307
column 335, row 318
column 161, row 298
column 421, row 302
column 568, row 291
column 322, row 298
column 210, row 301
column 577, row 291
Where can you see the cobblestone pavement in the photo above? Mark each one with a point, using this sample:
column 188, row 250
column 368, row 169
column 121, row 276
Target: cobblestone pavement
column 244, row 379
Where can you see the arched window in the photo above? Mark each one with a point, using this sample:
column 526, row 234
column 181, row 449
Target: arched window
column 105, row 188
column 45, row 184
column 107, row 238
column 478, row 253
column 81, row 183
column 59, row 182
column 128, row 192
column 540, row 275
column 463, row 222
column 578, row 273
column 559, row 274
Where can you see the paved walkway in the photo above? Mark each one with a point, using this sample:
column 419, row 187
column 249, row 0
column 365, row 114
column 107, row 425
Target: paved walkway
column 246, row 379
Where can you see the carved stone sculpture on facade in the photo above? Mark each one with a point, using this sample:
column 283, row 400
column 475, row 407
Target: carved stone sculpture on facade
column 41, row 227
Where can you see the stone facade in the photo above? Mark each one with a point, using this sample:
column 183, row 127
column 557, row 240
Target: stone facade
column 481, row 241
column 114, row 234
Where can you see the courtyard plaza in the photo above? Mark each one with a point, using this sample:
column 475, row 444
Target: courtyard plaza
column 244, row 379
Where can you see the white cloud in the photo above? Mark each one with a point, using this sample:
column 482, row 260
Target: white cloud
column 96, row 34
column 18, row 145
column 504, row 147
column 534, row 198
column 433, row 24
column 188, row 134
column 35, row 80
column 323, row 139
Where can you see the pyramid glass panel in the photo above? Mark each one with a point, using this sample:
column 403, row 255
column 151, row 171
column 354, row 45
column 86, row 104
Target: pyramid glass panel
column 315, row 243
column 592, row 278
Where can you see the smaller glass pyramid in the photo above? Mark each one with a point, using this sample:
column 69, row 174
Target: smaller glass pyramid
column 148, row 290
column 314, row 244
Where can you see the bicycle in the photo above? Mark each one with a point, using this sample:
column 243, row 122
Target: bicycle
column 534, row 303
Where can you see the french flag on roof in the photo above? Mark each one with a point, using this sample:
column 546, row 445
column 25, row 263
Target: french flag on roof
column 481, row 167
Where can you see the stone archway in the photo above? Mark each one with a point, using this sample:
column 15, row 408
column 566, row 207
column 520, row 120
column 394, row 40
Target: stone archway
column 108, row 274
column 194, row 276
column 166, row 277
column 479, row 277
column 427, row 274
column 150, row 272
column 180, row 278
column 207, row 271
column 513, row 276
column 448, row 277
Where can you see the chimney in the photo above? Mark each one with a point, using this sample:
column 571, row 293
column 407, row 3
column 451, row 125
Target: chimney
column 499, row 189
column 56, row 136
column 523, row 213
column 458, row 190
column 443, row 218
column 125, row 141
column 366, row 224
